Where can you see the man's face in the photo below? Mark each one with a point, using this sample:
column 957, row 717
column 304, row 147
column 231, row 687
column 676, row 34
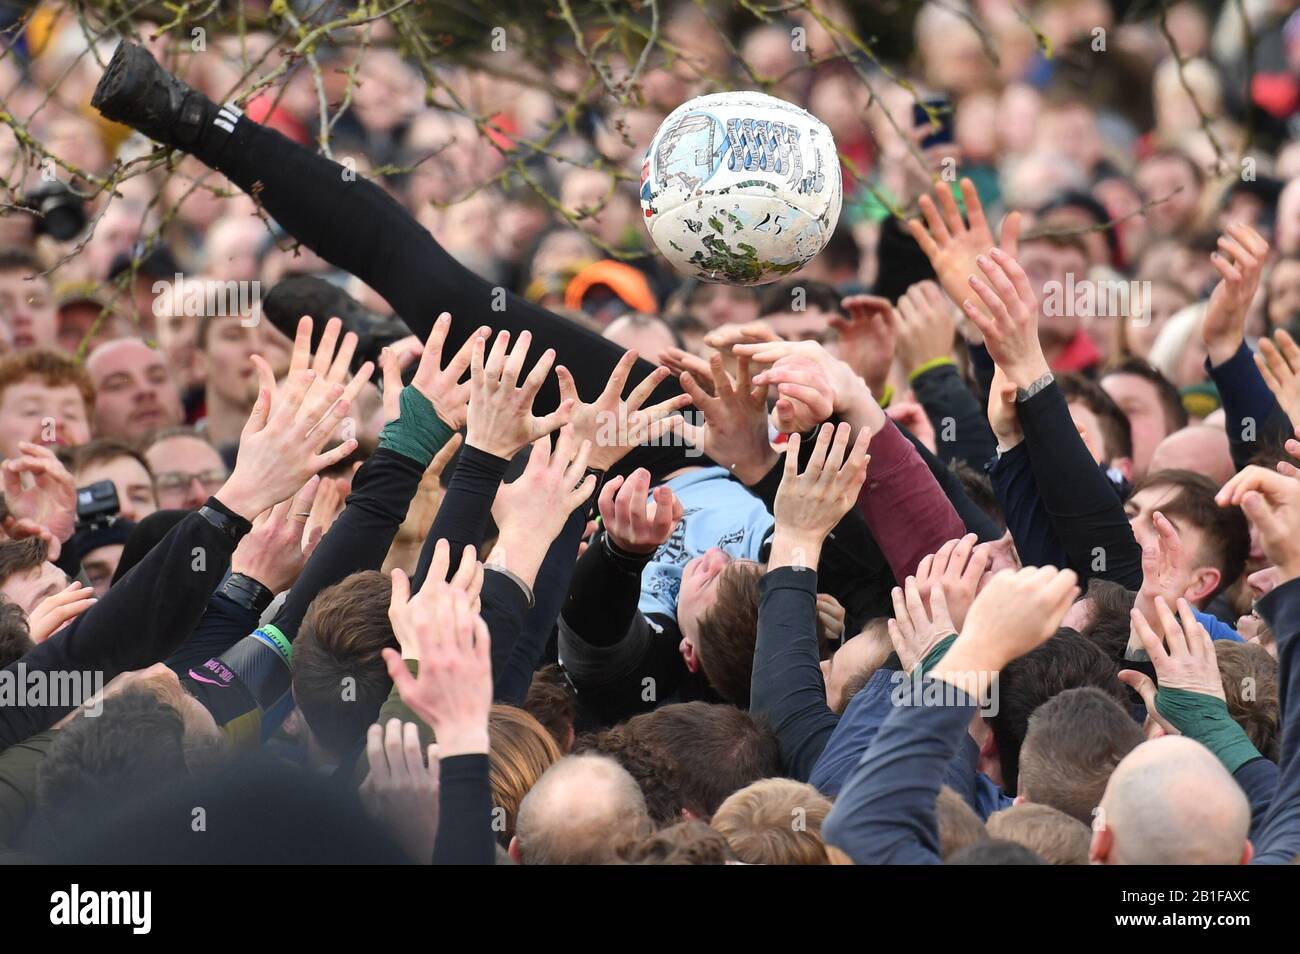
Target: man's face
column 226, row 361
column 187, row 471
column 27, row 307
column 1139, row 399
column 135, row 494
column 698, row 593
column 100, row 564
column 176, row 340
column 811, row 324
column 1140, row 508
column 1171, row 194
column 32, row 411
column 28, row 589
column 718, row 305
column 134, row 391
column 1090, row 428
column 1044, row 262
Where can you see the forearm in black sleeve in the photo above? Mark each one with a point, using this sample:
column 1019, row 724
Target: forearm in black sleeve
column 141, row 620
column 603, row 596
column 786, row 687
column 503, row 602
column 1079, row 499
column 552, row 585
column 961, row 428
column 1279, row 842
column 466, row 508
column 224, row 623
column 464, row 812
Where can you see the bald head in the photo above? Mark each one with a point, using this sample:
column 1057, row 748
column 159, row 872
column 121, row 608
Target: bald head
column 579, row 812
column 1198, row 448
column 134, row 390
column 1171, row 802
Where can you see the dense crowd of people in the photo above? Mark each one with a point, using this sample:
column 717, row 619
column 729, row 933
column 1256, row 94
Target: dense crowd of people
column 489, row 539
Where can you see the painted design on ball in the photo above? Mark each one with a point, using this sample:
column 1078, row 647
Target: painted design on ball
column 741, row 188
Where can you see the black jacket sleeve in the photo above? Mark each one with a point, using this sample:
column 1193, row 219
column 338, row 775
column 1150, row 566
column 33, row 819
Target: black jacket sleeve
column 1279, row 842
column 141, row 620
column 464, row 813
column 961, row 428
column 466, row 509
column 1079, row 499
column 786, row 687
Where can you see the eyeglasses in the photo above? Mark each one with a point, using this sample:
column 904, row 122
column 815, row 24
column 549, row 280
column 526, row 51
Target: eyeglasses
column 176, row 483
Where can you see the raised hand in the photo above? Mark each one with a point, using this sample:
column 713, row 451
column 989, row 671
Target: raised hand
column 809, row 505
column 952, row 245
column 1017, row 611
column 468, row 578
column 909, row 414
column 58, row 609
column 1240, row 261
column 803, row 372
column 401, row 791
column 453, row 691
column 917, row 628
column 1279, row 363
column 277, row 549
column 1004, row 418
column 1181, row 651
column 925, row 327
column 442, row 387
column 531, row 510
column 1165, row 573
column 734, row 433
column 1009, row 317
column 500, row 419
column 280, row 447
column 329, row 365
column 867, row 338
column 614, row 425
column 424, row 507
column 1271, row 502
column 956, row 569
column 634, row 524
column 46, row 506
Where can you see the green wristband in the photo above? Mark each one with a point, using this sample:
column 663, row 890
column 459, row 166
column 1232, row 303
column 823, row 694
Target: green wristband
column 938, row 652
column 277, row 641
column 930, row 365
column 418, row 432
column 1206, row 719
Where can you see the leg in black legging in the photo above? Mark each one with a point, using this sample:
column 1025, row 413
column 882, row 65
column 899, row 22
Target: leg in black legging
column 358, row 227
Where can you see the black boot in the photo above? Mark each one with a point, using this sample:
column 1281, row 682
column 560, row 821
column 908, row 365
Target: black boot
column 139, row 93
column 299, row 295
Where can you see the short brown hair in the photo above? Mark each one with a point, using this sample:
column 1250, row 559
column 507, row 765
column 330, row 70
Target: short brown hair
column 1249, row 677
column 340, row 638
column 519, row 751
column 959, row 826
column 15, row 634
column 688, row 842
column 1073, row 743
column 775, row 821
column 1227, row 535
column 20, row 556
column 54, row 370
column 552, row 702
column 728, row 632
column 1048, row 832
column 710, row 750
column 105, row 450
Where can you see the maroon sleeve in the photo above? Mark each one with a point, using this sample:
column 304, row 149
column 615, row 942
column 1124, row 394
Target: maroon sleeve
column 907, row 511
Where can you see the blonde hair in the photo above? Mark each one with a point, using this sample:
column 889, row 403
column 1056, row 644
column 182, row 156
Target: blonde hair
column 775, row 821
column 520, row 750
column 1167, row 350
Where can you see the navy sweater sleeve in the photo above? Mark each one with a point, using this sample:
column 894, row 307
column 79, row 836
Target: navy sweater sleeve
column 1279, row 842
column 224, row 623
column 1258, row 779
column 466, row 508
column 961, row 429
column 786, row 686
column 464, row 813
column 1080, row 501
column 1031, row 528
column 886, row 811
column 1253, row 418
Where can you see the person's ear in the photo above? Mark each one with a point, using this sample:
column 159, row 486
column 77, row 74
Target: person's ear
column 1100, row 847
column 687, row 649
column 1124, row 465
column 1020, row 798
column 568, row 740
column 687, row 814
column 513, row 851
column 990, row 762
column 1205, row 580
column 1247, row 853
